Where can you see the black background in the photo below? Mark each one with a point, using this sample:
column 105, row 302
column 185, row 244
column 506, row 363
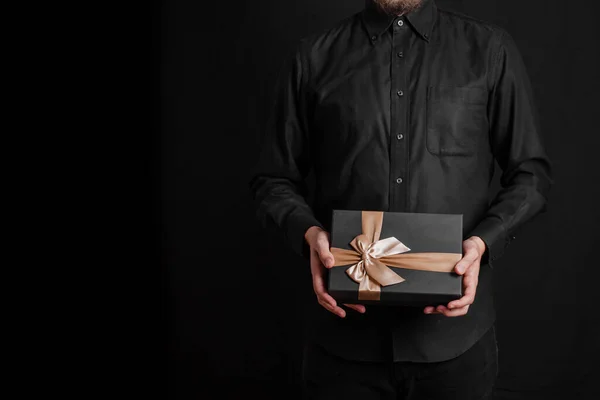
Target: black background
column 230, row 324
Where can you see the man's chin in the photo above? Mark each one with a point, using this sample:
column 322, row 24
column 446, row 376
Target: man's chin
column 397, row 7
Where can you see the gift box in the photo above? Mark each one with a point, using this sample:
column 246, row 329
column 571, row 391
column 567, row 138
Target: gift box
column 395, row 258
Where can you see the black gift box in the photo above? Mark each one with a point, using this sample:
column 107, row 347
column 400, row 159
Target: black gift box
column 421, row 233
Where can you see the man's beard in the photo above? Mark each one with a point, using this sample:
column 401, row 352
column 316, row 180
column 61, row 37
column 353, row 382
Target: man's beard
column 397, row 7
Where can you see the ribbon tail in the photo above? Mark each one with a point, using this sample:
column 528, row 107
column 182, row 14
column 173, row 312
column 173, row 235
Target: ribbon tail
column 368, row 289
column 357, row 272
column 381, row 273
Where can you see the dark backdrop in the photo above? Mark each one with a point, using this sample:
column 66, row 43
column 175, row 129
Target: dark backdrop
column 230, row 325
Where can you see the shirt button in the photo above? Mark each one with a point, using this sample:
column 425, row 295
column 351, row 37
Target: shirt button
column 400, row 54
column 400, row 93
column 400, row 136
column 373, row 37
column 400, row 22
column 399, row 180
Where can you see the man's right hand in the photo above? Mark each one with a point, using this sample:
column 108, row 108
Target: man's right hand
column 321, row 258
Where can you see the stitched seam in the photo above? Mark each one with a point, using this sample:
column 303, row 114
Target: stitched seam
column 496, row 59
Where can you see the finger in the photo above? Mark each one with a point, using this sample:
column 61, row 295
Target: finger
column 468, row 295
column 328, row 299
column 470, row 281
column 469, row 257
column 320, row 291
column 319, row 287
column 334, row 310
column 323, row 297
column 466, row 300
column 453, row 313
column 357, row 307
column 340, row 312
column 430, row 310
column 315, row 260
column 326, row 256
column 316, row 266
column 473, row 270
column 318, row 281
column 463, row 265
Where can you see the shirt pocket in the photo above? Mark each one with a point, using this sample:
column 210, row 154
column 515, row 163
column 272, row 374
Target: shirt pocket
column 456, row 120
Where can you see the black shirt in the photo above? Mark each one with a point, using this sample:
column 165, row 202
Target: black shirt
column 404, row 114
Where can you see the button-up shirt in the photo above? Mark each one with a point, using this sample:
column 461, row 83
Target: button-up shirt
column 404, row 113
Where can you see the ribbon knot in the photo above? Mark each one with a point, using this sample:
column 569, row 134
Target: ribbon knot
column 365, row 256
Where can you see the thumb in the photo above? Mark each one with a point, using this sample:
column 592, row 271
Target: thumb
column 326, row 256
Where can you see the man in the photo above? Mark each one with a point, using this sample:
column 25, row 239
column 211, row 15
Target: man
column 403, row 107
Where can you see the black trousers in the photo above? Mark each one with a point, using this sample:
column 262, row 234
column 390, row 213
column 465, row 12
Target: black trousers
column 469, row 376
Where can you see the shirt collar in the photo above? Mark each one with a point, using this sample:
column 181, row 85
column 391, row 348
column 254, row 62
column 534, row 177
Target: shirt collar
column 377, row 22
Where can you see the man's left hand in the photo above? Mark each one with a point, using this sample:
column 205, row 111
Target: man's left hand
column 468, row 266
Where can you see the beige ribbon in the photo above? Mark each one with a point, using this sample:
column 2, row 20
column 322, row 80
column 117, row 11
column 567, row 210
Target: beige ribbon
column 372, row 257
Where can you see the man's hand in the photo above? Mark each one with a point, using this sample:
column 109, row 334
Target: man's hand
column 468, row 266
column 321, row 258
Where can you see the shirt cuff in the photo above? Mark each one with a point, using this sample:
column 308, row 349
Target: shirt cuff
column 297, row 225
column 491, row 231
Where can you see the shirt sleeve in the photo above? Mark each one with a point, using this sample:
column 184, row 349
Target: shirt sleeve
column 278, row 182
column 517, row 145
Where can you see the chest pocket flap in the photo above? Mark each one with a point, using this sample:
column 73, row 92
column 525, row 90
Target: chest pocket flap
column 456, row 120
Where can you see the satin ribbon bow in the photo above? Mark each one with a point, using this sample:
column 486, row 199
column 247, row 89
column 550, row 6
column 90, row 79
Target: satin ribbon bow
column 370, row 273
